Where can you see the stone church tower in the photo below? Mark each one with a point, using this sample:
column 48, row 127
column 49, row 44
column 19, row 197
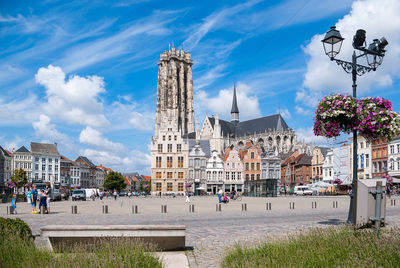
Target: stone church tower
column 175, row 111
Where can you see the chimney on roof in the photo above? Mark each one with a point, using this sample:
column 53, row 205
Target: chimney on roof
column 235, row 109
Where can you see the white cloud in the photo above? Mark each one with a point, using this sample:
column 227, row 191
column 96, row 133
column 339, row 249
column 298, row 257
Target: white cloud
column 48, row 133
column 124, row 162
column 300, row 110
column 76, row 100
column 19, row 111
column 142, row 121
column 95, row 138
column 379, row 18
column 222, row 103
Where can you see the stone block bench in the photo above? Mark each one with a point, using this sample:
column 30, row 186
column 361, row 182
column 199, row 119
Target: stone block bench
column 164, row 237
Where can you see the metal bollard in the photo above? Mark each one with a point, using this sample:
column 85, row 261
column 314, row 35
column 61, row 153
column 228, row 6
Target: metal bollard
column 218, row 207
column 393, row 202
column 291, row 205
column 335, row 204
column 42, row 210
column 10, row 210
column 134, row 209
column 191, row 208
column 163, row 208
column 105, row 209
column 244, row 207
column 74, row 209
column 314, row 204
column 268, row 206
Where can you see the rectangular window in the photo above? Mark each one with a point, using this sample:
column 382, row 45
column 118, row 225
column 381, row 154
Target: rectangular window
column 43, row 176
column 158, row 175
column 252, row 166
column 180, row 186
column 398, row 148
column 163, row 137
column 175, row 137
column 160, row 148
column 158, row 186
column 247, row 166
column 169, row 186
column 258, row 176
column 169, row 137
column 209, row 175
column 190, row 162
column 252, row 177
column 43, row 159
column 169, row 148
column 180, row 161
column 56, row 168
column 50, row 167
column 36, row 175
column 258, row 166
column 37, row 159
column 56, row 177
column 239, row 175
column 227, row 176
column 169, row 175
column 43, row 167
column 366, row 160
column 178, row 148
column 252, row 155
column 233, row 177
column 50, row 160
column 169, row 161
column 247, row 177
column 180, row 175
column 158, row 161
column 56, row 160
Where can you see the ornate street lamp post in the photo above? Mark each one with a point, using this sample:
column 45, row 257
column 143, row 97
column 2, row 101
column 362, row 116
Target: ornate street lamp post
column 374, row 54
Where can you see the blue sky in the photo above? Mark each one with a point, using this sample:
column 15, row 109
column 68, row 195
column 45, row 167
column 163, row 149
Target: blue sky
column 84, row 73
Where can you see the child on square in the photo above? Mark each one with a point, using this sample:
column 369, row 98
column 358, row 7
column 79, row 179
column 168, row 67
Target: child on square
column 14, row 203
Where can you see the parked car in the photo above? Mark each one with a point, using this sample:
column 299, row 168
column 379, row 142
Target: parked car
column 302, row 190
column 78, row 195
column 123, row 193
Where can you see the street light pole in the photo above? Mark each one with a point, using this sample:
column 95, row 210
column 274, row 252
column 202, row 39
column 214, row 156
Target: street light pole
column 374, row 54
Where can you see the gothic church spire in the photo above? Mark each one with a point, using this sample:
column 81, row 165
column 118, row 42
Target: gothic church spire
column 235, row 109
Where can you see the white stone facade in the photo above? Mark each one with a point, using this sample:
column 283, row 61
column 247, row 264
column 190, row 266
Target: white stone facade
column 327, row 166
column 233, row 171
column 215, row 173
column 341, row 163
column 394, row 158
column 364, row 155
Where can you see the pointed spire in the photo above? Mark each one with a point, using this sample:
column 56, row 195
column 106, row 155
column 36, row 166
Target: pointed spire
column 235, row 109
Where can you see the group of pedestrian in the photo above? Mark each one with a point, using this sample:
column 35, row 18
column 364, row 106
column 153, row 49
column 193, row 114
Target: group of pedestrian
column 223, row 196
column 34, row 196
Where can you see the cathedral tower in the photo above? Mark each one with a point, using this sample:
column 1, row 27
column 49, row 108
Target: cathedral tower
column 175, row 111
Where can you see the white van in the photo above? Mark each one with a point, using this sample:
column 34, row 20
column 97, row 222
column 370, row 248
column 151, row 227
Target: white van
column 302, row 190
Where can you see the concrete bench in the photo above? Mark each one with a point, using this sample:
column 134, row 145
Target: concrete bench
column 164, row 237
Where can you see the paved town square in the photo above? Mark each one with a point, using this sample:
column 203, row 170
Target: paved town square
column 209, row 232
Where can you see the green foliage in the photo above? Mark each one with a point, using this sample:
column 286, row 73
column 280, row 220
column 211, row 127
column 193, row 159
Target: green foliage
column 114, row 180
column 18, row 252
column 15, row 227
column 19, row 178
column 331, row 247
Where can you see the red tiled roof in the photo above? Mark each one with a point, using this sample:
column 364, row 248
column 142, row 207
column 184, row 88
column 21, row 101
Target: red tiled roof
column 127, row 180
column 63, row 157
column 147, row 178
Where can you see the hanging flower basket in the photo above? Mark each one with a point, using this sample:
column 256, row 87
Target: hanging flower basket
column 188, row 185
column 337, row 181
column 372, row 117
column 335, row 114
column 11, row 184
column 377, row 119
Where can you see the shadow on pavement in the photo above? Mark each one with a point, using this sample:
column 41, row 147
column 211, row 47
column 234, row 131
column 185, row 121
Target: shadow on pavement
column 332, row 222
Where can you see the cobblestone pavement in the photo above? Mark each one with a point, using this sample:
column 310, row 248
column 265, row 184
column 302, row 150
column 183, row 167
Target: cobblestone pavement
column 209, row 232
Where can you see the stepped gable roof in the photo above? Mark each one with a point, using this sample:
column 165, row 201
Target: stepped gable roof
column 44, row 148
column 146, row 178
column 8, row 152
column 258, row 125
column 127, row 180
column 22, row 150
column 64, row 158
column 87, row 161
column 204, row 144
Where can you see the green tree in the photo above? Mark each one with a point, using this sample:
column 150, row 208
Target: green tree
column 114, row 180
column 19, row 178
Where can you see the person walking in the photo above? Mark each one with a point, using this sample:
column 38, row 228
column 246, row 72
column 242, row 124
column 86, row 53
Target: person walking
column 115, row 194
column 14, row 203
column 47, row 192
column 101, row 195
column 34, row 195
column 187, row 197
column 220, row 195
